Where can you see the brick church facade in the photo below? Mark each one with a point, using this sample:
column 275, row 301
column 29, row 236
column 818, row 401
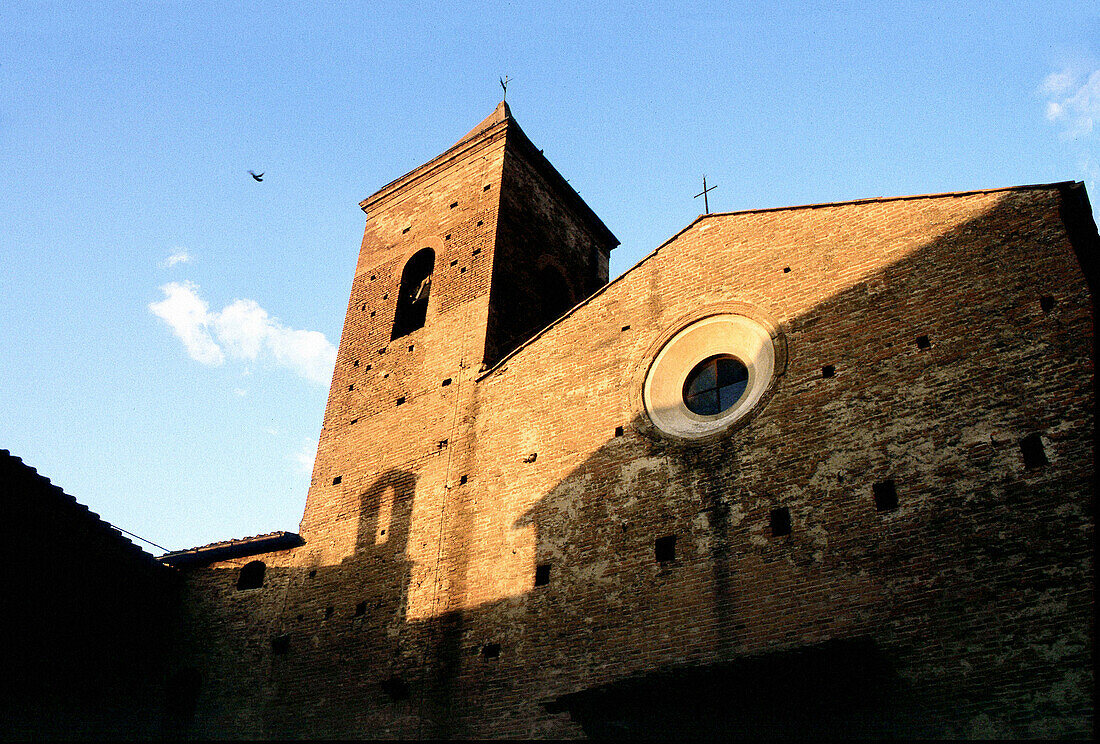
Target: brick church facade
column 811, row 471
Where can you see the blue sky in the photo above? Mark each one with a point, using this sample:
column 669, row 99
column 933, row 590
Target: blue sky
column 168, row 324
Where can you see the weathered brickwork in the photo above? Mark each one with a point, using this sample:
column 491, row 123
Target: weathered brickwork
column 481, row 559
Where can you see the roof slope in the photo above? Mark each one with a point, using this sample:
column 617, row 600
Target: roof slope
column 36, row 504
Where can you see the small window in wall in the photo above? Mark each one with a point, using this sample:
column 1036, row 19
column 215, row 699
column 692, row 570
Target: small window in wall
column 280, row 644
column 664, row 549
column 412, row 299
column 780, row 521
column 252, row 575
column 886, row 495
column 1035, row 455
column 395, row 688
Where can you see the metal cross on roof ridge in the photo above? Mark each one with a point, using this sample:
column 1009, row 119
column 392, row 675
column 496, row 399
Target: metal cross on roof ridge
column 703, row 193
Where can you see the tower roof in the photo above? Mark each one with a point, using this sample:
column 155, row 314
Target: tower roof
column 500, row 113
column 499, row 123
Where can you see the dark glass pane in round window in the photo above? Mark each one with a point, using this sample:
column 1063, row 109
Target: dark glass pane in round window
column 715, row 385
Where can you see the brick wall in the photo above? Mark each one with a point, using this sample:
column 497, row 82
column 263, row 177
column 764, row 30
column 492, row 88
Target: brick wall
column 968, row 606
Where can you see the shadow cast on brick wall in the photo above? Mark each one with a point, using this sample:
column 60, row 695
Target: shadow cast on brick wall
column 967, row 599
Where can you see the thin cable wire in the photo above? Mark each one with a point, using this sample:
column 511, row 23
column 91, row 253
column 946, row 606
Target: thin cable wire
column 139, row 537
column 234, row 561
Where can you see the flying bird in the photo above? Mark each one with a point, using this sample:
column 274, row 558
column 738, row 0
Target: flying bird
column 259, row 177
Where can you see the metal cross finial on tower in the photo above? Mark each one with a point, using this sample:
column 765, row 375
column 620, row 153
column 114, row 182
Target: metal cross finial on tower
column 703, row 193
column 504, row 84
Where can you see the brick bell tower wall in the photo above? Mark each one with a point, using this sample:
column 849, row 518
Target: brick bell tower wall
column 552, row 250
column 514, row 247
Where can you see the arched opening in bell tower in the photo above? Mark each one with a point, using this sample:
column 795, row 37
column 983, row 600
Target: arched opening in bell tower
column 412, row 297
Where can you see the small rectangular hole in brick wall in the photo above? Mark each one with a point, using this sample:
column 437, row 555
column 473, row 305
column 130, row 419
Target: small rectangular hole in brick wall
column 364, row 307
column 618, row 431
column 280, row 644
column 411, row 347
column 455, row 262
column 923, row 342
column 491, row 650
column 351, row 386
column 446, row 382
column 372, row 312
column 476, row 251
column 367, row 368
column 786, row 269
column 441, row 444
column 542, row 574
column 395, row 689
column 1046, row 302
column 401, row 400
column 252, row 575
column 447, row 236
column 780, row 521
column 361, row 608
column 531, row 457
column 480, row 223
column 463, row 479
column 1035, row 455
column 329, row 612
column 462, row 270
column 355, row 363
column 355, row 421
column 828, row 370
column 625, row 328
column 313, row 574
column 886, row 495
column 385, row 297
column 454, row 204
column 486, row 187
column 337, row 479
column 382, row 350
column 664, row 548
column 406, row 230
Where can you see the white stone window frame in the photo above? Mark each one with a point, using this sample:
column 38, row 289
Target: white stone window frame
column 738, row 329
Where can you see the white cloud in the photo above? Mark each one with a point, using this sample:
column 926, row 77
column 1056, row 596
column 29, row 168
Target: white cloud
column 242, row 330
column 1073, row 101
column 304, row 457
column 309, row 353
column 180, row 256
column 242, row 327
column 189, row 317
column 1058, row 82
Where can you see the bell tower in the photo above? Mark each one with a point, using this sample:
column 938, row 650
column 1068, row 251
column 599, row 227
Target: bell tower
column 462, row 260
